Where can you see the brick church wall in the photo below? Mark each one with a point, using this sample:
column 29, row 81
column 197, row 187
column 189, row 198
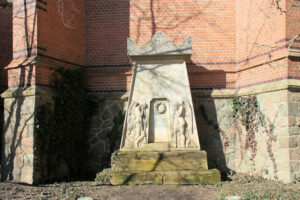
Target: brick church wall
column 46, row 35
column 60, row 37
column 5, row 55
column 239, row 48
column 213, row 51
column 5, row 44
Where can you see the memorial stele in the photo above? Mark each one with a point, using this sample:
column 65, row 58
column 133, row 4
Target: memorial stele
column 160, row 142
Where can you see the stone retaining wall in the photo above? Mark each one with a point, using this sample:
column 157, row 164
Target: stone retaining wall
column 224, row 138
column 277, row 140
column 98, row 136
column 18, row 150
column 294, row 133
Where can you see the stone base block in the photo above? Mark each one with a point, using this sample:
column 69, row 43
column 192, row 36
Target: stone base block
column 182, row 177
column 170, row 168
column 160, row 161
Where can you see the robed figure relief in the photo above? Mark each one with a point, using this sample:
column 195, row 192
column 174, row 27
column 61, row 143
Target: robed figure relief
column 183, row 125
column 137, row 124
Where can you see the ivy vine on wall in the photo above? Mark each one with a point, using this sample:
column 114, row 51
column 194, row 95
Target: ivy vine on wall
column 246, row 112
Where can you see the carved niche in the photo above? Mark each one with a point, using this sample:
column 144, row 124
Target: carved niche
column 159, row 121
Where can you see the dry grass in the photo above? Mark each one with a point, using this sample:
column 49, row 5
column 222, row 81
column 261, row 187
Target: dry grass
column 248, row 188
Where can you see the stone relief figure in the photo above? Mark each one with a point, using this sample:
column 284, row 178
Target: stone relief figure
column 137, row 124
column 180, row 126
column 183, row 126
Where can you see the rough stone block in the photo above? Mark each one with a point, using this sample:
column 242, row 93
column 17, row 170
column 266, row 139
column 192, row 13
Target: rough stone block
column 292, row 121
column 284, row 141
column 7, row 149
column 294, row 130
column 8, row 136
column 29, row 130
column 154, row 147
column 221, row 103
column 296, row 176
column 173, row 167
column 294, row 141
column 185, row 177
column 294, row 109
column 295, row 154
column 294, row 97
column 191, row 177
column 284, row 176
column 115, row 108
column 283, row 110
column 27, row 119
column 166, row 161
column 106, row 114
column 281, row 131
column 295, row 166
column 18, row 160
column 16, row 174
column 123, row 178
column 282, row 122
column 284, row 153
column 284, row 165
column 27, row 145
column 28, row 160
column 26, row 175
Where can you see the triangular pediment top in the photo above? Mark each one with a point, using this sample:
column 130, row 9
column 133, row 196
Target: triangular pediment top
column 159, row 45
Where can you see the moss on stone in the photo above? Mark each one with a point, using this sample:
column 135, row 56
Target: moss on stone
column 169, row 168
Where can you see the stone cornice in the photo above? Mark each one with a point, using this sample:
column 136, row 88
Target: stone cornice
column 292, row 85
column 27, row 91
column 258, row 89
column 159, row 45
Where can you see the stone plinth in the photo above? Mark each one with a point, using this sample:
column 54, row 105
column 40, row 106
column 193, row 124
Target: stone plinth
column 169, row 168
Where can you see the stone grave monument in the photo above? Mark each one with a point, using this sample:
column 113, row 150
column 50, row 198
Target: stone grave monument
column 160, row 143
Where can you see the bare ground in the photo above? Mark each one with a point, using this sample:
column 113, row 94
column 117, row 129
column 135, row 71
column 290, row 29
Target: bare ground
column 247, row 188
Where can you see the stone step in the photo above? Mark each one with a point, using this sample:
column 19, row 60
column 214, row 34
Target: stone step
column 182, row 177
column 160, row 161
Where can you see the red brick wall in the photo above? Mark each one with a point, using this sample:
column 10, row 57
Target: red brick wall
column 5, row 44
column 49, row 32
column 106, row 33
column 24, row 47
column 24, row 29
column 60, row 37
column 260, row 43
column 210, row 23
column 292, row 30
column 235, row 43
column 61, row 30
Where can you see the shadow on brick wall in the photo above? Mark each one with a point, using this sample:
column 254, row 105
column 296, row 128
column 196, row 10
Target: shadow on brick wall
column 211, row 116
column 5, row 56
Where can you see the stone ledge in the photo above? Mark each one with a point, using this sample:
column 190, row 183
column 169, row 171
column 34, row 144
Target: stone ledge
column 113, row 95
column 294, row 53
column 293, row 85
column 264, row 88
column 27, row 91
